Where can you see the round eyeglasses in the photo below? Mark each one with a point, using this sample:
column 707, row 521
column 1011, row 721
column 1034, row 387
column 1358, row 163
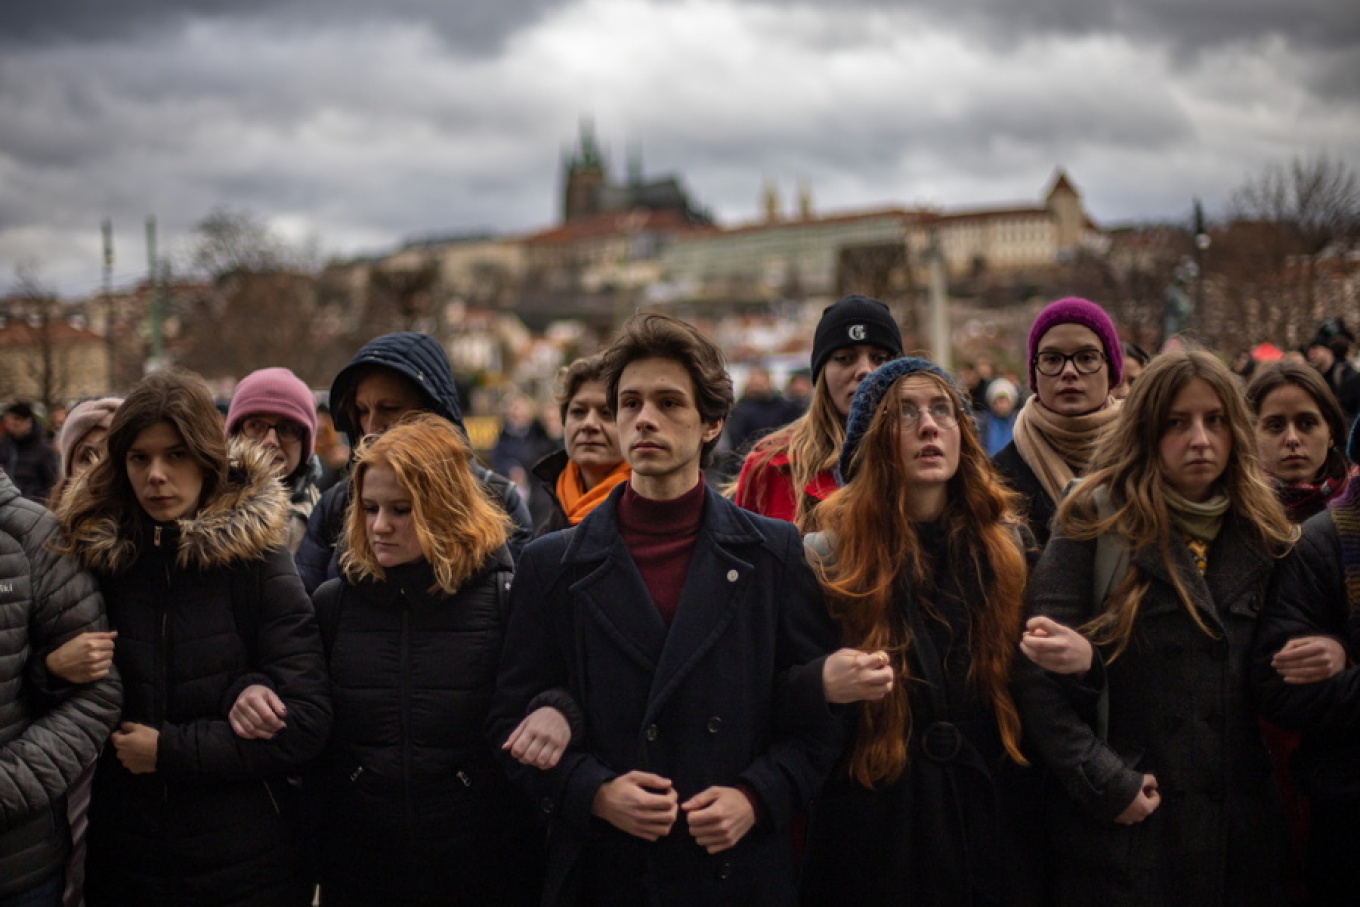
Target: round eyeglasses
column 257, row 429
column 1086, row 362
column 944, row 415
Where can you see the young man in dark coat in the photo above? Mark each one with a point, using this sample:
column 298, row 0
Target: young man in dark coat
column 688, row 632
column 391, row 376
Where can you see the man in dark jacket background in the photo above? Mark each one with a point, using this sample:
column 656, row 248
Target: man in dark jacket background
column 391, row 376
column 47, row 736
column 26, row 455
column 687, row 633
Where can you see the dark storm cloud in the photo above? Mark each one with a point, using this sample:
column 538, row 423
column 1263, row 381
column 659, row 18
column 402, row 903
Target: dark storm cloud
column 470, row 26
column 1187, row 26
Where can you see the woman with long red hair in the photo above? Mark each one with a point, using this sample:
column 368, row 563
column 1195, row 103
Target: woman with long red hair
column 923, row 563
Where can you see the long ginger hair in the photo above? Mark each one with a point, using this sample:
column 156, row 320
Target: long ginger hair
column 457, row 525
column 875, row 546
column 1126, row 475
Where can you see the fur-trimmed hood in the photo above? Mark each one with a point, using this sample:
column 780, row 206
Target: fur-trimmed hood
column 248, row 515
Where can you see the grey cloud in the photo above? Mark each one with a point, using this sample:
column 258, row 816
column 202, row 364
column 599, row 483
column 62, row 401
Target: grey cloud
column 472, row 27
column 1189, row 27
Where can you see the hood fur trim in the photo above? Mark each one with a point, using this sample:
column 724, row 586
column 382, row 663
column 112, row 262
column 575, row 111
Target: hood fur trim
column 248, row 516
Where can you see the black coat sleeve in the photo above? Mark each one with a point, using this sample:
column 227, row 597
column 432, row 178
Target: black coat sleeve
column 1308, row 599
column 1057, row 711
column 285, row 647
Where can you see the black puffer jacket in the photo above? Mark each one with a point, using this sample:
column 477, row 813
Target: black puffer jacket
column 421, row 359
column 45, row 743
column 415, row 807
column 204, row 607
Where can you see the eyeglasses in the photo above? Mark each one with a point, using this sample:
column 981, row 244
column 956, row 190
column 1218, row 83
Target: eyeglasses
column 944, row 415
column 286, row 429
column 1086, row 362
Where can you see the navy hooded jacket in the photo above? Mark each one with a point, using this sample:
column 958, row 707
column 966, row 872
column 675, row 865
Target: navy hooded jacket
column 421, row 359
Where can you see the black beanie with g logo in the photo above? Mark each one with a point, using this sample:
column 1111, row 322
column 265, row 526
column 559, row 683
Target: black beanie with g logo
column 852, row 321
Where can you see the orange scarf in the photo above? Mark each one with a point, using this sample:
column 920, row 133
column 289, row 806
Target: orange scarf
column 576, row 501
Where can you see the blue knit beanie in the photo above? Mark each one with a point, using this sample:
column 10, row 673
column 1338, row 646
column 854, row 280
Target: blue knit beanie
column 870, row 394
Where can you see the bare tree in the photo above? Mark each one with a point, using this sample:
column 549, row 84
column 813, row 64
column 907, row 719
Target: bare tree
column 1285, row 222
column 260, row 306
column 40, row 360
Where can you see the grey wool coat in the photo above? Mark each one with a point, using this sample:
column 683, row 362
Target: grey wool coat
column 1179, row 710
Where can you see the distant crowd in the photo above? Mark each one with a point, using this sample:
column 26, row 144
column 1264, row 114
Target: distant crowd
column 1079, row 635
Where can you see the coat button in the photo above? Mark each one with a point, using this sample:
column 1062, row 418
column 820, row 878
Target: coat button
column 546, row 804
column 733, row 576
column 652, row 732
column 714, row 724
column 725, row 871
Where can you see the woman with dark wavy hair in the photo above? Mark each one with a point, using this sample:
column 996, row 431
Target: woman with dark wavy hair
column 1300, row 430
column 921, row 557
column 214, row 632
column 1160, row 561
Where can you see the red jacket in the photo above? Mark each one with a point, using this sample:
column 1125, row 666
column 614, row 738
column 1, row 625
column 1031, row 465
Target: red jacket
column 767, row 488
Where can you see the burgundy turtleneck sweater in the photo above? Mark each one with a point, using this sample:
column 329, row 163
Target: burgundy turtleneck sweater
column 660, row 536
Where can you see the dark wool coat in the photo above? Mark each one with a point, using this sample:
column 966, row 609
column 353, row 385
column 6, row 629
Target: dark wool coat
column 710, row 701
column 546, row 472
column 1039, row 507
column 954, row 828
column 1179, row 710
column 415, row 805
column 1310, row 600
column 204, row 607
column 47, row 737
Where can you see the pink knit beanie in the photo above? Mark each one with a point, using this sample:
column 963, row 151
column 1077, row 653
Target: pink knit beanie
column 274, row 391
column 83, row 418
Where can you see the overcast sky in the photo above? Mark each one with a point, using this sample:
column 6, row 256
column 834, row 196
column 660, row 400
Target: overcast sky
column 357, row 124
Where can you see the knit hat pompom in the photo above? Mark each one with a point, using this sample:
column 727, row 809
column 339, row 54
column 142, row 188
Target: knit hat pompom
column 870, row 394
column 1074, row 310
column 276, row 391
column 849, row 322
column 83, row 418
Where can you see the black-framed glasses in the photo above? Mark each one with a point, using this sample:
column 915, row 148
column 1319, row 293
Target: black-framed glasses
column 1086, row 362
column 944, row 415
column 256, row 429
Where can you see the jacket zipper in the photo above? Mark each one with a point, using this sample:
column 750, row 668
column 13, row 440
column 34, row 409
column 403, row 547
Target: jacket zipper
column 162, row 654
column 404, row 706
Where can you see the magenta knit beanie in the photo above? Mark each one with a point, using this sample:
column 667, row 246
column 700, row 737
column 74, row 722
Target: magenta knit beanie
column 1074, row 310
column 83, row 418
column 274, row 391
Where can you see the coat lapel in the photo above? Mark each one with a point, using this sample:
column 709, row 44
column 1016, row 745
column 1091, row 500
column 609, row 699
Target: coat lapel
column 717, row 584
column 611, row 592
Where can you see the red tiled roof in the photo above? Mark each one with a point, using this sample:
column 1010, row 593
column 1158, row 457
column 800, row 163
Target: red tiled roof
column 615, row 224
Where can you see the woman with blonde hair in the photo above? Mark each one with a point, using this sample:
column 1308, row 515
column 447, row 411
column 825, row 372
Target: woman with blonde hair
column 214, row 631
column 790, row 470
column 415, row 809
column 922, row 562
column 1161, row 559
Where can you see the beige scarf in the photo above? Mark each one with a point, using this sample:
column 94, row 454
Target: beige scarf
column 1057, row 447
